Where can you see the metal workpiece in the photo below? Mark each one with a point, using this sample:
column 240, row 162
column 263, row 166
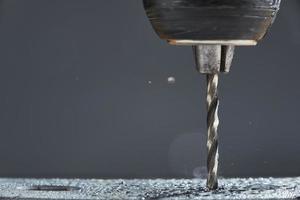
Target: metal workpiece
column 148, row 189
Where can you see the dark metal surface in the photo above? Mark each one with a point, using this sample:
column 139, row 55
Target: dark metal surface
column 211, row 20
column 183, row 189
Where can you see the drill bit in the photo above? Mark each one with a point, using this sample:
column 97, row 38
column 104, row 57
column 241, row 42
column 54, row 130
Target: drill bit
column 212, row 128
column 212, row 60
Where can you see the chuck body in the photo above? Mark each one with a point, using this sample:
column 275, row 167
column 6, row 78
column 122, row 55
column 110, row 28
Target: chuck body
column 212, row 20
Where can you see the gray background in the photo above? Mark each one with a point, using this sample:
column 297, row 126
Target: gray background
column 76, row 98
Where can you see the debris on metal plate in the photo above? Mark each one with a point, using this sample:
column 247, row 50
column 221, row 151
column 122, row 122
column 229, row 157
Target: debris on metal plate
column 54, row 189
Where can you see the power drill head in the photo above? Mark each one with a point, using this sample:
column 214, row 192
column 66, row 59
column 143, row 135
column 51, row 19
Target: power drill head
column 237, row 22
column 213, row 27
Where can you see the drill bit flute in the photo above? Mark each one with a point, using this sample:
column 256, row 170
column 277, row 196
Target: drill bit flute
column 212, row 130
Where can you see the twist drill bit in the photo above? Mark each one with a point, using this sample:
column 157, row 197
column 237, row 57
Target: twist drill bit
column 212, row 60
column 212, row 128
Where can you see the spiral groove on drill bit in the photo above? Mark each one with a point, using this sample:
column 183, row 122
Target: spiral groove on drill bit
column 212, row 127
column 212, row 60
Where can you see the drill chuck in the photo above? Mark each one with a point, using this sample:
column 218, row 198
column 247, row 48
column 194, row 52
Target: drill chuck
column 212, row 59
column 190, row 22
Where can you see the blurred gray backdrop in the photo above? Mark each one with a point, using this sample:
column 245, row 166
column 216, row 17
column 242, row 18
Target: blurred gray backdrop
column 84, row 93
